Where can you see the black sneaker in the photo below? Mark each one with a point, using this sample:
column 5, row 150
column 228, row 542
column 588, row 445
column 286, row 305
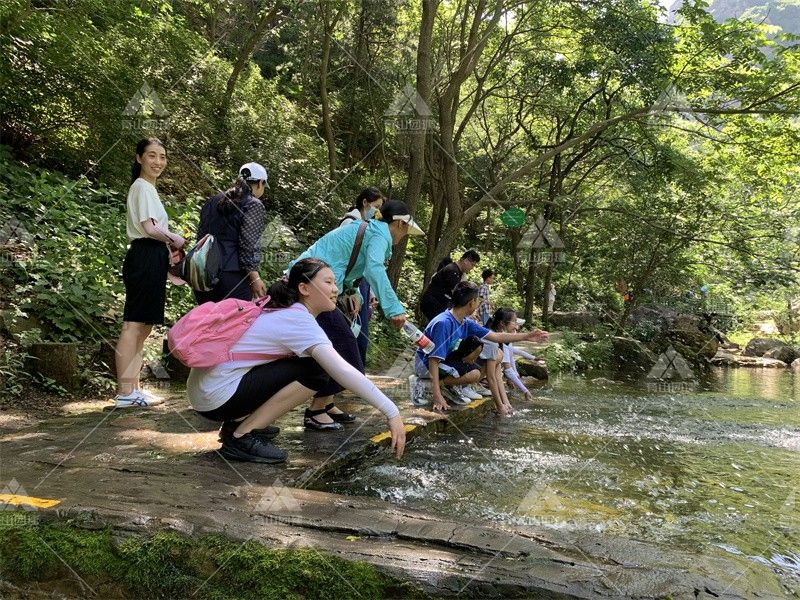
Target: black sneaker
column 252, row 448
column 267, row 433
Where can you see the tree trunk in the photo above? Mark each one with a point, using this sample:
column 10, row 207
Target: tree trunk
column 530, row 286
column 57, row 361
column 269, row 18
column 416, row 165
column 328, row 25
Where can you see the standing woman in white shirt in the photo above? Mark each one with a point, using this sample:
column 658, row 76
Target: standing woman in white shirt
column 144, row 271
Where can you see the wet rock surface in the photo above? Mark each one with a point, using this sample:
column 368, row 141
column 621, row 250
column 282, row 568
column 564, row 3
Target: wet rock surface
column 727, row 359
column 158, row 469
column 786, row 354
column 760, row 346
column 631, row 358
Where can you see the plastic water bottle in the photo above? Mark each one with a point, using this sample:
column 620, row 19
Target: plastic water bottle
column 419, row 338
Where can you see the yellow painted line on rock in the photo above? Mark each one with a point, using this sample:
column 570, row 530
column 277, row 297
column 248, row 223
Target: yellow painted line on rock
column 28, row 500
column 476, row 403
column 377, row 439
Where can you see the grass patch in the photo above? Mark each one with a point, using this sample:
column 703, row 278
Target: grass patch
column 170, row 565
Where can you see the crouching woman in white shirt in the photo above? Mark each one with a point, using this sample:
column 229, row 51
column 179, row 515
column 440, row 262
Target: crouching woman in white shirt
column 284, row 358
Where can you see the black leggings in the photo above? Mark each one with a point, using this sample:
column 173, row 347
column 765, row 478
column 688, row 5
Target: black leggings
column 337, row 328
column 264, row 381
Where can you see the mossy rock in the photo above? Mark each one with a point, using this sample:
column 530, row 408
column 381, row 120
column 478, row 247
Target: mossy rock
column 170, row 565
column 533, row 369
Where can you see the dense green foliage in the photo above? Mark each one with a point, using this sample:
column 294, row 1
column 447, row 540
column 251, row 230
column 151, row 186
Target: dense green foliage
column 168, row 565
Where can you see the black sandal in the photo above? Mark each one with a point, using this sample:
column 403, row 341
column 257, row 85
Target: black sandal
column 341, row 417
column 310, row 421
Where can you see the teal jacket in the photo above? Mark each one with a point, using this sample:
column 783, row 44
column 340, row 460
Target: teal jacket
column 335, row 248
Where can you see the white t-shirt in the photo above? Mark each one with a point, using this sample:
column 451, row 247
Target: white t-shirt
column 292, row 331
column 489, row 351
column 144, row 204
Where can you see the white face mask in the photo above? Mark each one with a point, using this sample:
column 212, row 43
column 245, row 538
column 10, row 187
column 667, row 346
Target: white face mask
column 370, row 212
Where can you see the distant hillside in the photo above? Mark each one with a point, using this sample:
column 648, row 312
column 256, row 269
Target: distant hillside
column 783, row 13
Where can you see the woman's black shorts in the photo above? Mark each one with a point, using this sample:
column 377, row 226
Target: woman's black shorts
column 261, row 383
column 144, row 274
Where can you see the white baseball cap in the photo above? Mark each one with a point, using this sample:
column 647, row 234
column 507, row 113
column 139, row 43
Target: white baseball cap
column 413, row 228
column 396, row 210
column 253, row 171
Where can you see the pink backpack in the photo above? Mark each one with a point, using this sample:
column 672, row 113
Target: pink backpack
column 204, row 336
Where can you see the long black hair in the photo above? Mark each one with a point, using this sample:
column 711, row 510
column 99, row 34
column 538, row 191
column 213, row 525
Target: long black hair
column 141, row 146
column 284, row 292
column 236, row 196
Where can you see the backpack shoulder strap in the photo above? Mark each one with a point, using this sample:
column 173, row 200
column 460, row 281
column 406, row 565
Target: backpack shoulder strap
column 356, row 248
column 262, row 355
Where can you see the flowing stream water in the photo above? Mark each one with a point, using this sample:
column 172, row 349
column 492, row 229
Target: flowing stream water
column 691, row 466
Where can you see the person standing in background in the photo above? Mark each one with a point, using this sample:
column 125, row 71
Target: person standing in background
column 551, row 297
column 368, row 203
column 485, row 307
column 437, row 297
column 144, row 271
column 236, row 218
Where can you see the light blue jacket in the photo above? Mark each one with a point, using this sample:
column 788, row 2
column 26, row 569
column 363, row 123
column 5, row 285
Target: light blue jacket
column 335, row 248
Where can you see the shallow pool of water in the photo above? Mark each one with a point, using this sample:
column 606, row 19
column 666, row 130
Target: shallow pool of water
column 715, row 465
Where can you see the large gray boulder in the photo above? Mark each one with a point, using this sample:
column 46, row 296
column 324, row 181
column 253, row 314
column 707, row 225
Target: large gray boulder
column 659, row 315
column 537, row 369
column 785, row 353
column 760, row 346
column 690, row 338
column 630, row 357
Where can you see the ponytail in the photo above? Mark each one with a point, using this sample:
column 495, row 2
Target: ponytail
column 284, row 292
column 141, row 146
column 281, row 295
column 235, row 197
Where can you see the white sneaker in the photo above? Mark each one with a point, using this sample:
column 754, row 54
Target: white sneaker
column 419, row 390
column 459, row 395
column 134, row 400
column 470, row 392
column 481, row 390
column 152, row 399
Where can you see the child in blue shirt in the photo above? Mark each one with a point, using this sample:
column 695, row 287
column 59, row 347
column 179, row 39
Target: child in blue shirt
column 446, row 330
